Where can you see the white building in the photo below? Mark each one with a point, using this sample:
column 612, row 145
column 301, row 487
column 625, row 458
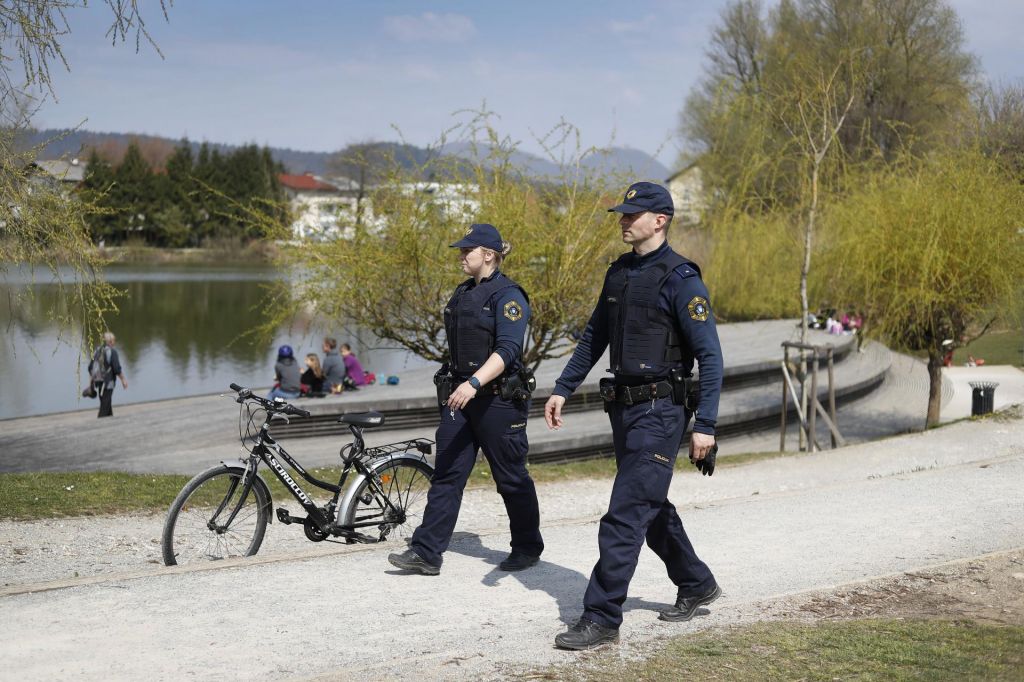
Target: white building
column 319, row 206
column 325, row 208
column 687, row 190
column 456, row 200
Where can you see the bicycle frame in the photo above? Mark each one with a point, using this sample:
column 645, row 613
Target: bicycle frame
column 265, row 450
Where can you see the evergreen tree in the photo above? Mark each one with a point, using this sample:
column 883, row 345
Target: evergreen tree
column 133, row 194
column 181, row 191
column 95, row 192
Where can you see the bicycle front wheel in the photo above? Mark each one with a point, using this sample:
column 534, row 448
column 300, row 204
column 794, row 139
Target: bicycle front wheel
column 391, row 499
column 210, row 520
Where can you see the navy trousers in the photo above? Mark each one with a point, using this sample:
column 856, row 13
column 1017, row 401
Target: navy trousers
column 498, row 427
column 106, row 401
column 647, row 438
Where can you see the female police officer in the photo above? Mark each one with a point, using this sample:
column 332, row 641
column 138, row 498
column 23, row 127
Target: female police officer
column 485, row 323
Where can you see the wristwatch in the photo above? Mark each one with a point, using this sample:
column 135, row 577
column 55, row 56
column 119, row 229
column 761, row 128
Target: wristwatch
column 474, row 382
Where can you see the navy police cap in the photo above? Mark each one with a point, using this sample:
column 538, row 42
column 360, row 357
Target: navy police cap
column 645, row 196
column 480, row 234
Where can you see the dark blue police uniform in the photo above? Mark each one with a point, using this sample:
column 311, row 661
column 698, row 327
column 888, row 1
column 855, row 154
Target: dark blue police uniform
column 655, row 314
column 481, row 319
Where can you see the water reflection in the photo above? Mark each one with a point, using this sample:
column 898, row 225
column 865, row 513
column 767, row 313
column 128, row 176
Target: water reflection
column 178, row 332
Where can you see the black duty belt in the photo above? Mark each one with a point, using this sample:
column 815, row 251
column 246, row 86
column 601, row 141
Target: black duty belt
column 631, row 395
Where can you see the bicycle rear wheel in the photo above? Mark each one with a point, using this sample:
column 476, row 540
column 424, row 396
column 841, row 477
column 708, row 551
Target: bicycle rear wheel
column 200, row 526
column 391, row 499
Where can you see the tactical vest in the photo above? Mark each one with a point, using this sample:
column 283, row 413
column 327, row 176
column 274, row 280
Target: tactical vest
column 644, row 339
column 470, row 325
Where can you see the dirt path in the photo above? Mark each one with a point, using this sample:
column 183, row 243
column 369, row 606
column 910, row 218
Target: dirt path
column 769, row 529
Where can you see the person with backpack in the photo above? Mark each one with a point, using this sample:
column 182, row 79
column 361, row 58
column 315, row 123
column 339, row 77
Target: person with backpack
column 104, row 368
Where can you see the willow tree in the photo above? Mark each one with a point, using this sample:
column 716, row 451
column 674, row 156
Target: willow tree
column 42, row 226
column 393, row 271
column 793, row 93
column 932, row 251
column 917, row 76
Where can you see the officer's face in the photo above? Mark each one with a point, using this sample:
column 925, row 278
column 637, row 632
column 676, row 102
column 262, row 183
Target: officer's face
column 638, row 227
column 471, row 258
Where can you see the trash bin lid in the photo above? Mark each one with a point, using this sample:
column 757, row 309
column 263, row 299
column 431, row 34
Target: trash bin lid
column 983, row 384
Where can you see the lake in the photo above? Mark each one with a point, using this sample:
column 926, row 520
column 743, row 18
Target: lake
column 179, row 333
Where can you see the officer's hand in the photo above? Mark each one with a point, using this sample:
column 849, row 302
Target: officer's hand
column 461, row 395
column 553, row 411
column 700, row 445
column 124, row 382
column 706, row 462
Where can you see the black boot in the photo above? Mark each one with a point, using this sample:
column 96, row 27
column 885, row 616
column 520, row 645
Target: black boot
column 586, row 634
column 409, row 560
column 686, row 607
column 517, row 561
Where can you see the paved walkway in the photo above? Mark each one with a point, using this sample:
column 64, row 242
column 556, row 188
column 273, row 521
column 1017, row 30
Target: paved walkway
column 770, row 528
column 187, row 434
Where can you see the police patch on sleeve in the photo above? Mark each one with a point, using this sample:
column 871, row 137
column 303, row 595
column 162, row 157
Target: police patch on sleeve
column 698, row 307
column 514, row 311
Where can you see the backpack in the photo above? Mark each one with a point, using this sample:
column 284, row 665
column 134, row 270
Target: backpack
column 99, row 366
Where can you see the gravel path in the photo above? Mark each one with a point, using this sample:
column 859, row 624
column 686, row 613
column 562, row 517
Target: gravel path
column 301, row 611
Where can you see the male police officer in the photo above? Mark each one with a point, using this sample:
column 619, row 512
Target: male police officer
column 655, row 315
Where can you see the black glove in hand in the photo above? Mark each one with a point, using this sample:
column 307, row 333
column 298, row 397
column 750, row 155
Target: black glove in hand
column 707, row 465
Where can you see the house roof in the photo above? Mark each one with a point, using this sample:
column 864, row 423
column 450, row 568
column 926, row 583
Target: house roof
column 305, row 183
column 682, row 171
column 73, row 171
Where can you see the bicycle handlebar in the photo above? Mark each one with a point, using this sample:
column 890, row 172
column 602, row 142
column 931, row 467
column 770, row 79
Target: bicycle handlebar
column 269, row 405
column 297, row 411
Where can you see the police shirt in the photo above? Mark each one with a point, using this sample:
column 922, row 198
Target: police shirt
column 686, row 299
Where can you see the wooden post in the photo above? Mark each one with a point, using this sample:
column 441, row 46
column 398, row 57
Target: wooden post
column 832, row 395
column 785, row 398
column 802, row 377
column 812, row 435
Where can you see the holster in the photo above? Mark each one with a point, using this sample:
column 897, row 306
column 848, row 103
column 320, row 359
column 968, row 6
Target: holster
column 683, row 390
column 606, row 387
column 517, row 386
column 444, row 382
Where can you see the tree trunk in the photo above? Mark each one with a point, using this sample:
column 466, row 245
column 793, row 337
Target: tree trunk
column 934, row 388
column 805, row 308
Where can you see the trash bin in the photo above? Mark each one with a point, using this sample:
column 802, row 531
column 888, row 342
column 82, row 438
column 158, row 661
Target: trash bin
column 983, row 397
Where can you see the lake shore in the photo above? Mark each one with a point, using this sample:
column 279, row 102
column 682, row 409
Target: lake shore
column 233, row 253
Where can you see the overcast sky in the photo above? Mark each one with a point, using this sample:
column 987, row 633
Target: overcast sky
column 320, row 74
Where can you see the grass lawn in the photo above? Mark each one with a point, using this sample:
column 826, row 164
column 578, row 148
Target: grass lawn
column 48, row 494
column 996, row 348
column 875, row 649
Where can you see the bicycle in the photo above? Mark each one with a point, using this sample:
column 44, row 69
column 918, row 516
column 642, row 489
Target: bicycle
column 224, row 511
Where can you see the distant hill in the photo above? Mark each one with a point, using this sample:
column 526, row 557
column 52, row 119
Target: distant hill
column 613, row 161
column 72, row 143
column 75, row 143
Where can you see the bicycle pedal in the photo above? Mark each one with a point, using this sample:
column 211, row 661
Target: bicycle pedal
column 286, row 518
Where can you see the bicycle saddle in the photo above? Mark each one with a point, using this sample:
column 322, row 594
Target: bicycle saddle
column 364, row 419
